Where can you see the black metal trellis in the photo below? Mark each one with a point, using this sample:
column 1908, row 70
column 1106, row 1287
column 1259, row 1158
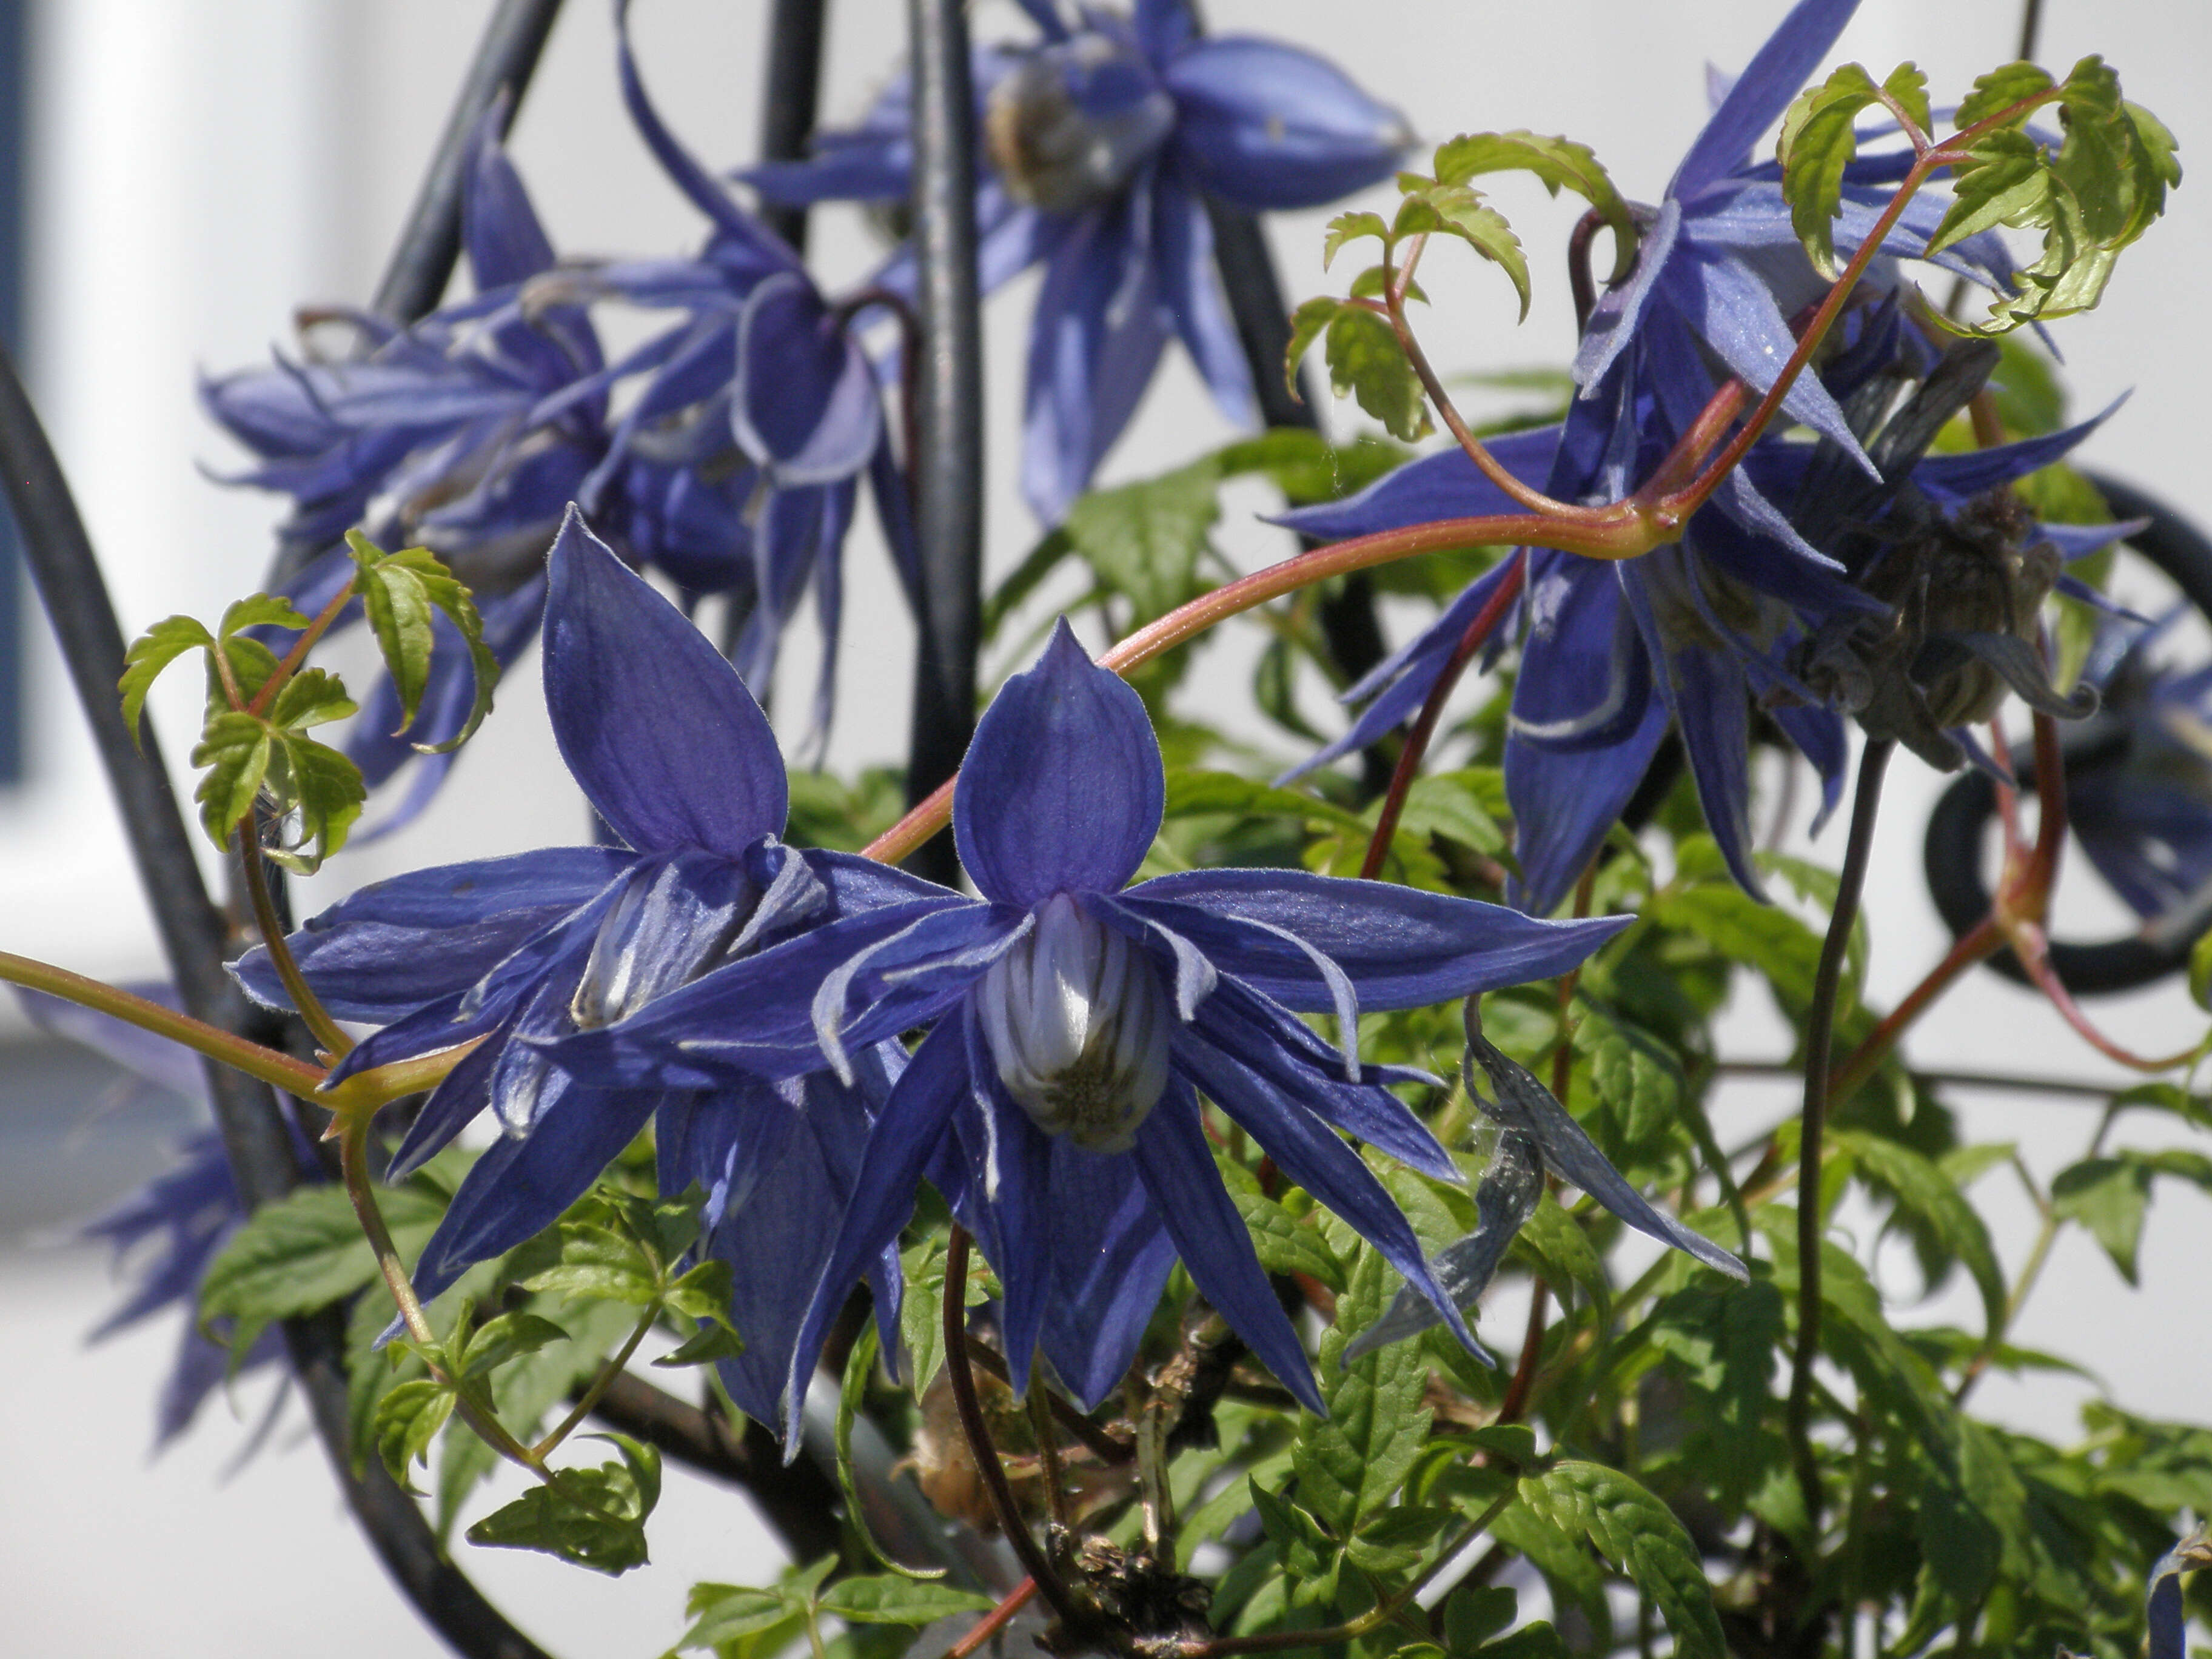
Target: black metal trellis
column 947, row 464
column 790, row 94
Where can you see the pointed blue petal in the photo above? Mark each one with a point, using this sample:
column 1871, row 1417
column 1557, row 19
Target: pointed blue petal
column 1063, row 789
column 1271, row 128
column 1776, row 74
column 1184, row 238
column 1111, row 1253
column 806, row 406
column 668, row 744
column 1713, row 710
column 1401, row 947
column 1565, row 802
column 1177, row 1167
column 900, row 1146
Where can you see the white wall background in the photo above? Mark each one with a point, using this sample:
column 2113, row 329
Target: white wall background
column 202, row 166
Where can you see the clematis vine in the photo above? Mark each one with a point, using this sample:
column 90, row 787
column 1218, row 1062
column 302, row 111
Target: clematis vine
column 678, row 760
column 1104, row 138
column 1073, row 1026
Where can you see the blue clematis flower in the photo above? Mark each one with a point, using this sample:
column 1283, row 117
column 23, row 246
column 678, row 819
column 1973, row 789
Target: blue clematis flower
column 469, row 433
column 1073, row 1025
column 164, row 1235
column 739, row 461
column 679, row 762
column 1104, row 140
column 1692, row 635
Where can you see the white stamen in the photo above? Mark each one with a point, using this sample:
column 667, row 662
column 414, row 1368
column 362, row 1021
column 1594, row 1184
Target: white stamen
column 1078, row 1023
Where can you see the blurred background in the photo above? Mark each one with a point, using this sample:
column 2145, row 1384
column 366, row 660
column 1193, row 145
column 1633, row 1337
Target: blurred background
column 177, row 175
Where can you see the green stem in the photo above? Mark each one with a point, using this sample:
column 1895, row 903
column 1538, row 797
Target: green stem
column 1819, row 1036
column 278, row 1070
column 360, row 1188
column 335, row 1042
column 600, row 1383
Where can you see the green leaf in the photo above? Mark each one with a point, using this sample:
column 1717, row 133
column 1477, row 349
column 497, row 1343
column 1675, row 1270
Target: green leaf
column 150, row 653
column 593, row 1518
column 1308, row 323
column 1457, row 806
column 1725, row 1341
column 2108, row 1196
column 306, row 1251
column 1285, row 1244
column 1144, row 540
column 1308, row 1551
column 234, row 751
column 1638, row 1536
column 709, row 1343
column 1350, row 227
column 701, row 1292
column 1459, row 210
column 1926, row 1195
column 1559, row 163
column 1999, row 90
column 321, row 793
column 510, row 1336
column 1365, row 362
column 407, row 1419
column 2200, row 972
column 1349, row 1463
column 1474, row 1613
column 1763, row 936
column 851, row 1399
column 598, row 1262
column 1398, row 1539
column 724, row 1613
column 260, row 611
column 1191, row 791
column 1306, row 467
column 1562, row 1251
column 888, row 1600
column 921, row 1312
column 1817, row 143
column 400, row 592
column 311, row 697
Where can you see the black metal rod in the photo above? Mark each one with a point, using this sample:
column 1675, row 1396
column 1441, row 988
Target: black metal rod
column 789, row 100
column 423, row 262
column 194, row 936
column 947, row 464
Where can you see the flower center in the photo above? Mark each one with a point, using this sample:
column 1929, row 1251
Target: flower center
column 1070, row 125
column 673, row 921
column 1078, row 1026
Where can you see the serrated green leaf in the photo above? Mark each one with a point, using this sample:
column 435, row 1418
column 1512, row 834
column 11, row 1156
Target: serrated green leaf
column 1191, row 791
column 1559, row 163
column 1459, row 210
column 1306, row 467
column 1365, row 363
column 1398, row 1539
column 311, row 697
column 1474, row 1613
column 599, row 1262
column 887, row 1600
column 1761, row 936
column 1457, row 806
column 1284, row 1244
column 234, row 752
column 1908, row 88
column 701, row 1292
column 1349, row 1463
column 408, row 1418
column 509, row 1336
column 1999, row 90
column 2108, row 1196
column 921, row 1312
column 306, row 1251
column 1144, row 540
column 260, row 611
column 400, row 616
column 1817, row 143
column 1350, row 227
column 724, row 1613
column 1304, row 1545
column 593, row 1518
column 1308, row 323
column 1928, row 1195
column 321, row 793
column 704, row 1347
column 1562, row 1251
column 1638, row 1536
column 150, row 653
column 1725, row 1341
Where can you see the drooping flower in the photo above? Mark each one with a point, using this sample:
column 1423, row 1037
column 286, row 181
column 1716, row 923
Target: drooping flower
column 469, row 433
column 739, row 463
column 1103, row 141
column 678, row 760
column 1073, row 1026
column 164, row 1236
column 1693, row 635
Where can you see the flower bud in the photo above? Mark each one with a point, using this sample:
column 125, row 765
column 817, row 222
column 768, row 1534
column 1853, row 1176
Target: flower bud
column 1078, row 1024
column 1068, row 127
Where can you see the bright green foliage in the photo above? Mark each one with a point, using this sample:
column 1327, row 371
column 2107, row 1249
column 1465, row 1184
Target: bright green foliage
column 1638, row 1536
column 860, row 1366
column 592, row 1518
column 402, row 593
column 1557, row 163
column 1459, row 210
column 1351, row 1463
column 1817, row 142
column 2098, row 193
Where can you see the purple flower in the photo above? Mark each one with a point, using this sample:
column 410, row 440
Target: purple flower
column 679, row 762
column 1104, row 140
column 1073, row 1026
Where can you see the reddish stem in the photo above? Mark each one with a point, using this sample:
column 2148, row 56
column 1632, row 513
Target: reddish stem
column 994, row 1621
column 1525, row 1374
column 1424, row 726
column 298, row 654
